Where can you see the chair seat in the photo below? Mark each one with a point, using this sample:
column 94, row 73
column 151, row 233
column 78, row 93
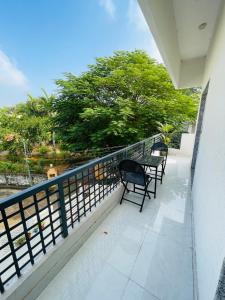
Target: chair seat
column 135, row 178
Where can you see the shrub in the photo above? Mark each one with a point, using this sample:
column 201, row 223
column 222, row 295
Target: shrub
column 42, row 162
column 62, row 154
column 12, row 167
column 14, row 158
column 43, row 150
column 36, row 167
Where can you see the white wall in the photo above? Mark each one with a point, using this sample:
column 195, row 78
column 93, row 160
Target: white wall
column 187, row 143
column 191, row 72
column 209, row 181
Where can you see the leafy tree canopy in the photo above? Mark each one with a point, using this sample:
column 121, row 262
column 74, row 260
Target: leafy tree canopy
column 119, row 100
column 29, row 122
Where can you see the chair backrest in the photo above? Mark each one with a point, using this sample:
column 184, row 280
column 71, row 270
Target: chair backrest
column 159, row 146
column 132, row 171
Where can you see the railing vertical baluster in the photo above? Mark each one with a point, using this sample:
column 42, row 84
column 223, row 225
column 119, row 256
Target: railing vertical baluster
column 26, row 232
column 112, row 175
column 99, row 183
column 109, row 176
column 50, row 215
column 62, row 210
column 103, row 180
column 70, row 202
column 89, row 189
column 125, row 153
column 94, row 182
column 1, row 286
column 143, row 149
column 83, row 192
column 39, row 223
column 13, row 252
column 148, row 146
column 77, row 197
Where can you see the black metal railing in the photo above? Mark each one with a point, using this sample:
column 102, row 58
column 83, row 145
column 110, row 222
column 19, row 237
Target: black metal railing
column 34, row 220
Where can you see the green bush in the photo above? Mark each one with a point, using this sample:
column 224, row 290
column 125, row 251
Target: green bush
column 42, row 162
column 37, row 169
column 43, row 150
column 35, row 165
column 14, row 158
column 12, row 167
column 20, row 167
column 63, row 154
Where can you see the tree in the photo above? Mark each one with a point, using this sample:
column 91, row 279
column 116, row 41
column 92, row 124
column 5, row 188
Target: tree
column 30, row 122
column 119, row 100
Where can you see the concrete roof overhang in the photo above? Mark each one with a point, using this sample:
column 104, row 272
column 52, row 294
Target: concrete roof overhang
column 183, row 31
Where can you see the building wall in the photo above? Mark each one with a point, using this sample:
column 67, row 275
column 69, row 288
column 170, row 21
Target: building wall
column 208, row 190
column 187, row 143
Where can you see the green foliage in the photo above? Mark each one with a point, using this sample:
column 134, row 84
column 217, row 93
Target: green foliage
column 12, row 167
column 29, row 122
column 43, row 150
column 166, row 131
column 19, row 167
column 43, row 162
column 119, row 100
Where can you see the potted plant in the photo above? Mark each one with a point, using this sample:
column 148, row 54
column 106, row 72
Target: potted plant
column 167, row 131
column 20, row 241
column 42, row 225
column 36, row 229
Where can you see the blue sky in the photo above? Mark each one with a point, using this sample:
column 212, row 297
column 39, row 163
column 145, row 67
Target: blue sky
column 40, row 40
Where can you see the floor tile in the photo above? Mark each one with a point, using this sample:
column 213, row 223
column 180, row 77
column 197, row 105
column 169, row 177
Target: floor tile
column 108, row 285
column 135, row 292
column 164, row 268
column 124, row 255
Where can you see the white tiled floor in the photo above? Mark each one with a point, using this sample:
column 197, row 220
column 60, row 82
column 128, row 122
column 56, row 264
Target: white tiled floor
column 136, row 255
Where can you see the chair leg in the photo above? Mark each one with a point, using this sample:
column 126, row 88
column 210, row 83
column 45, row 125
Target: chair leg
column 143, row 201
column 164, row 165
column 148, row 195
column 162, row 172
column 147, row 192
column 125, row 188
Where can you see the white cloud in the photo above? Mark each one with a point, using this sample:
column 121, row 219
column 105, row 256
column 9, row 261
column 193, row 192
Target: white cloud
column 136, row 17
column 109, row 7
column 10, row 75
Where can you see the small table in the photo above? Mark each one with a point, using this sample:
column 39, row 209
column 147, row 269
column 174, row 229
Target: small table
column 153, row 162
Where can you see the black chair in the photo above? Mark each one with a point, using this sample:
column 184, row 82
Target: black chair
column 163, row 148
column 132, row 172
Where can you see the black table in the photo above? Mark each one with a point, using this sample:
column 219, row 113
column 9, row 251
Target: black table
column 154, row 162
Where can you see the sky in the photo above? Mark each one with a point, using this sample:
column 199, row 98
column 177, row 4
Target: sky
column 41, row 40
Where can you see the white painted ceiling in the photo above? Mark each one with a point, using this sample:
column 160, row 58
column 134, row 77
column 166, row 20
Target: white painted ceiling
column 189, row 14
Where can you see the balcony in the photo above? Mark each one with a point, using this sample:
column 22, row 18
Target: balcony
column 110, row 251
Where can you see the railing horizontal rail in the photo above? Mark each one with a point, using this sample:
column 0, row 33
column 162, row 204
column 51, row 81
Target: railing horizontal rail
column 34, row 220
